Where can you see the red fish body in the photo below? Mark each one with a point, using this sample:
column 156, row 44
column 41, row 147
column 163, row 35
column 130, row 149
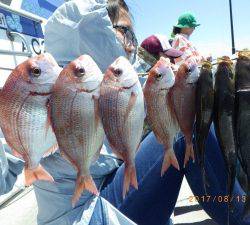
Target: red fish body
column 24, row 116
column 183, row 100
column 160, row 115
column 122, row 111
column 75, row 119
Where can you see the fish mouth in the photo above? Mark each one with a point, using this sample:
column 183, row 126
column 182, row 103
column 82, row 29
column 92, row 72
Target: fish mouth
column 34, row 93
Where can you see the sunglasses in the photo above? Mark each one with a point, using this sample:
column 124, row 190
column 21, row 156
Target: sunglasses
column 128, row 35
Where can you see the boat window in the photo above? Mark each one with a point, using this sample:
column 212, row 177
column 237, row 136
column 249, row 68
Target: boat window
column 42, row 8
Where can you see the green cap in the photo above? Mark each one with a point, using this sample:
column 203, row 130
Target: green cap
column 187, row 20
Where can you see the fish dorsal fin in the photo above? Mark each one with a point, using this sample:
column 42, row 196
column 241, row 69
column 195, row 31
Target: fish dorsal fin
column 48, row 121
column 17, row 154
column 96, row 110
column 68, row 159
column 51, row 150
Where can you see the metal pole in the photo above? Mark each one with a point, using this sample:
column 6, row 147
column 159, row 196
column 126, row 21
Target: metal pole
column 232, row 26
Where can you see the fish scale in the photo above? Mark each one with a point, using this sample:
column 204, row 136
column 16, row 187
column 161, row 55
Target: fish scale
column 37, row 133
column 165, row 119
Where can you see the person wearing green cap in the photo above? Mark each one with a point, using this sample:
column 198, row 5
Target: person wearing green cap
column 181, row 34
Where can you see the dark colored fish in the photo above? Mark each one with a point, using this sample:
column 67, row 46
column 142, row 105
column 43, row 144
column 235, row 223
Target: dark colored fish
column 242, row 119
column 204, row 110
column 224, row 112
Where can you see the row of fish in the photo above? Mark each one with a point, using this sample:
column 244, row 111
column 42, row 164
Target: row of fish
column 43, row 107
column 226, row 102
column 174, row 104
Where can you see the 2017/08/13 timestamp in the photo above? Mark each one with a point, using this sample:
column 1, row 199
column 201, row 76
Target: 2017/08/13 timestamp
column 219, row 198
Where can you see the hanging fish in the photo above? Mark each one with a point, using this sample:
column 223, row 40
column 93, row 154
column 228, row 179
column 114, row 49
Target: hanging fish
column 224, row 112
column 122, row 110
column 204, row 110
column 76, row 121
column 242, row 119
column 160, row 114
column 183, row 100
column 24, row 113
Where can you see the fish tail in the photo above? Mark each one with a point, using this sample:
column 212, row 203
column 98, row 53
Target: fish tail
column 189, row 153
column 83, row 183
column 130, row 178
column 39, row 173
column 169, row 159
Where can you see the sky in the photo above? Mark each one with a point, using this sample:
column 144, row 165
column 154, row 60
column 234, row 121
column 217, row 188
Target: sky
column 212, row 37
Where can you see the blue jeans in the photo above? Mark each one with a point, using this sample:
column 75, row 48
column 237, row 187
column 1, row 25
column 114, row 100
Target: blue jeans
column 155, row 200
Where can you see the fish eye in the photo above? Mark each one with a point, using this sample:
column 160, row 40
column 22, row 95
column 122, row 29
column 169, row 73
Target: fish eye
column 117, row 72
column 159, row 76
column 36, row 72
column 80, row 72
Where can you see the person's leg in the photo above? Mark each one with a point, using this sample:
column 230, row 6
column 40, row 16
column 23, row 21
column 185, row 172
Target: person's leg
column 215, row 206
column 154, row 201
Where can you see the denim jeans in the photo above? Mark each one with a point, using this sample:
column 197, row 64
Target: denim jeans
column 154, row 201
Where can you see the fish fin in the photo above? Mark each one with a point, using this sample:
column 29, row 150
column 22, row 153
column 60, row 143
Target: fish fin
column 16, row 154
column 139, row 145
column 67, row 158
column 117, row 153
column 96, row 110
column 83, row 183
column 131, row 103
column 170, row 103
column 169, row 159
column 51, row 150
column 39, row 173
column 189, row 153
column 130, row 178
column 97, row 154
column 48, row 121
